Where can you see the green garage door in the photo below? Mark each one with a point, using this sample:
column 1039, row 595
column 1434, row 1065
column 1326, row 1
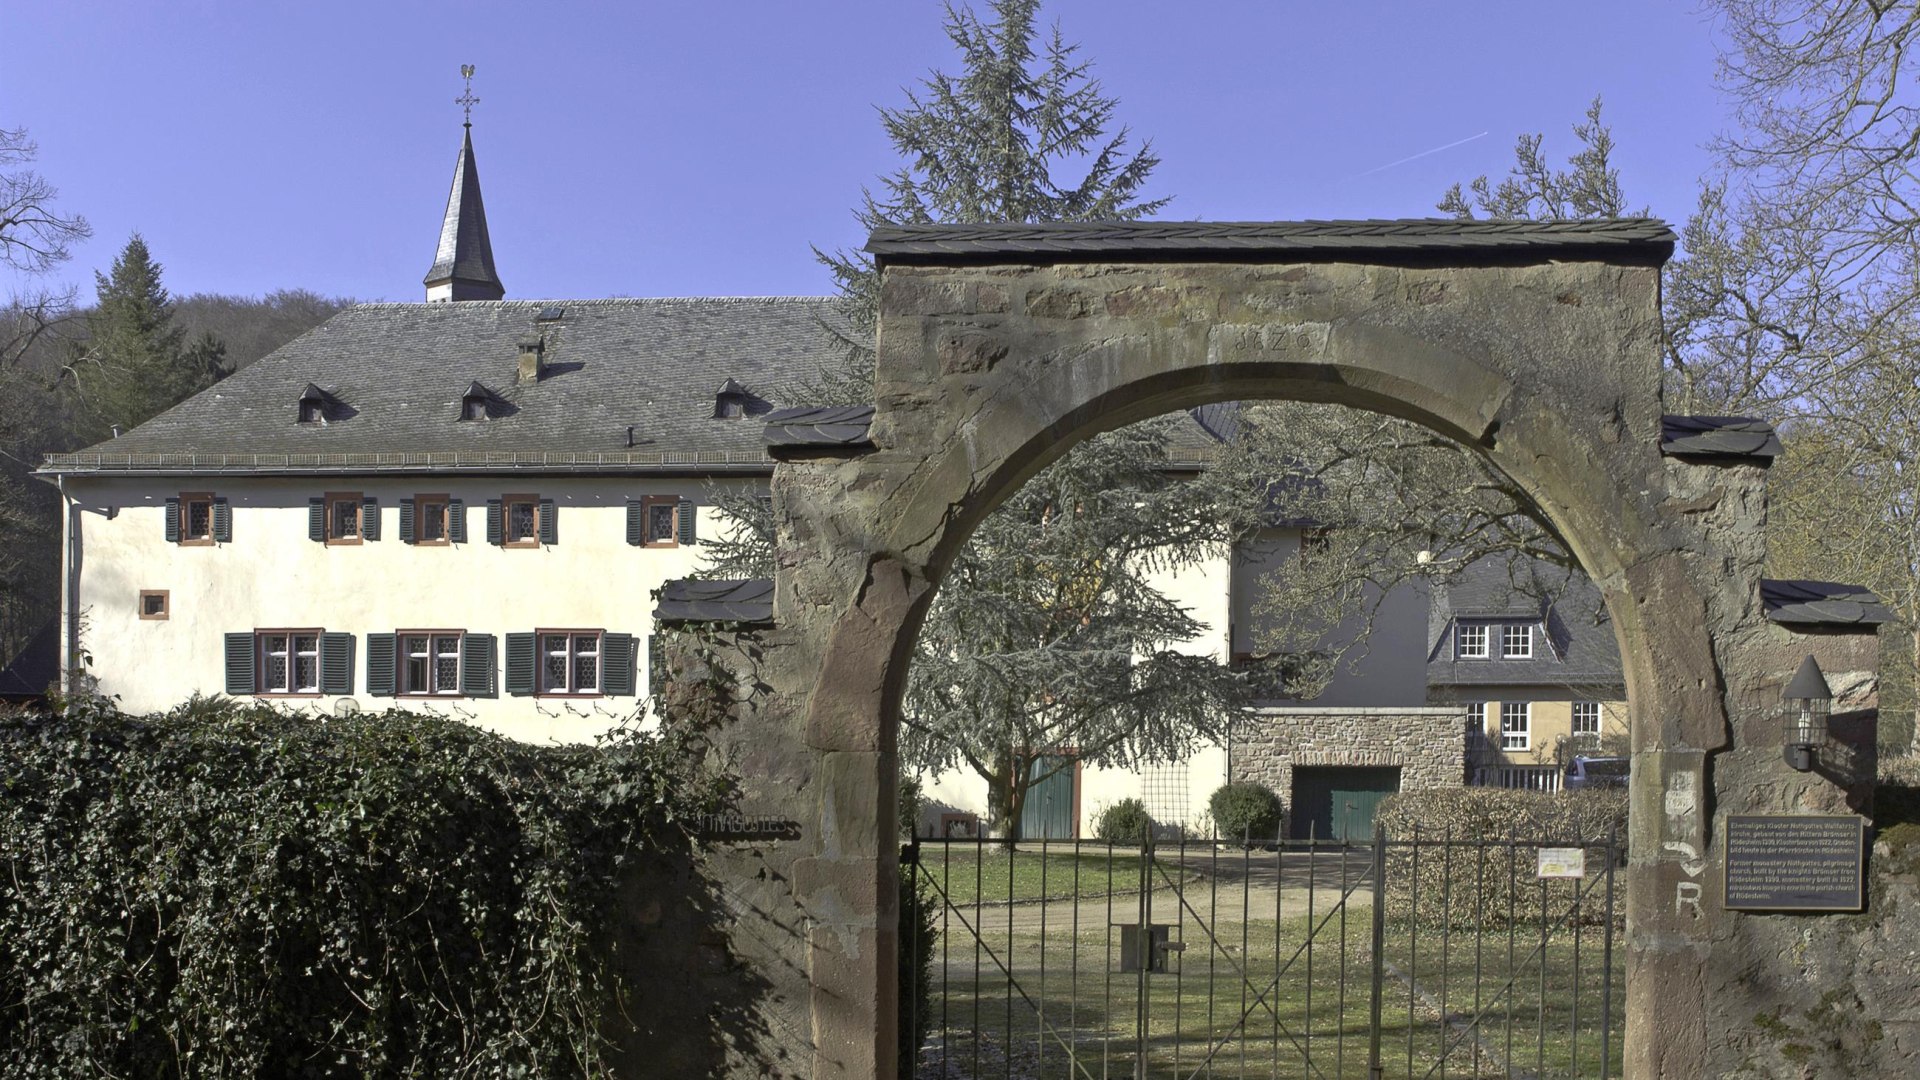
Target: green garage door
column 1048, row 812
column 1336, row 802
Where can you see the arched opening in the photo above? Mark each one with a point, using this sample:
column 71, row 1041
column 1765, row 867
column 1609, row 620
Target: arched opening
column 1537, row 345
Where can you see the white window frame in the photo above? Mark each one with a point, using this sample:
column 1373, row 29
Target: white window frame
column 1516, row 725
column 291, row 651
column 573, row 653
column 1471, row 641
column 1516, row 641
column 1594, row 714
column 435, row 640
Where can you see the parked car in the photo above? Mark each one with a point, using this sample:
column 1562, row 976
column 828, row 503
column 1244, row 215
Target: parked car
column 1598, row 772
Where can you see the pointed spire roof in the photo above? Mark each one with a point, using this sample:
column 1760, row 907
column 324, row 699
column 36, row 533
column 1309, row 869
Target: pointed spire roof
column 463, row 267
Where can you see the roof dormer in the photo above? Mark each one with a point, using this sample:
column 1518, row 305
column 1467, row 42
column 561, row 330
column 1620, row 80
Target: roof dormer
column 479, row 403
column 316, row 406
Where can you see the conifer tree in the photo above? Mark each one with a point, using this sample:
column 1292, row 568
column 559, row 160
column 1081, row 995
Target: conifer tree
column 1024, row 133
column 135, row 363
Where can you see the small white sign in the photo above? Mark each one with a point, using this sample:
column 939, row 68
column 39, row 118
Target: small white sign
column 1563, row 862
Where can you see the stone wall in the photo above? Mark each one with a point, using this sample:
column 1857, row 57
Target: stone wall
column 1428, row 744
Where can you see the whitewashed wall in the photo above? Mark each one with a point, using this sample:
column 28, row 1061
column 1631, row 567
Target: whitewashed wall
column 272, row 575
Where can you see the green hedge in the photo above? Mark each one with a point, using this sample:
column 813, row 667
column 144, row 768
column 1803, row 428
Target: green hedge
column 1125, row 822
column 230, row 891
column 1245, row 810
column 1485, row 881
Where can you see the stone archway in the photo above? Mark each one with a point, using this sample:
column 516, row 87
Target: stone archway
column 999, row 347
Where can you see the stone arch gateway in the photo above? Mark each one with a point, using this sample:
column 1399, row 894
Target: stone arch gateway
column 1000, row 346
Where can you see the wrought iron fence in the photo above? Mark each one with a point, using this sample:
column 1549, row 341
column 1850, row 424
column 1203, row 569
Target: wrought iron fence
column 1415, row 957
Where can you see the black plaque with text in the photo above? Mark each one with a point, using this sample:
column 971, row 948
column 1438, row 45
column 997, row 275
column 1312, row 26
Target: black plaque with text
column 1795, row 862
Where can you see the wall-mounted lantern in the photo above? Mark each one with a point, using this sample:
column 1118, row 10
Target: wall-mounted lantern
column 1808, row 700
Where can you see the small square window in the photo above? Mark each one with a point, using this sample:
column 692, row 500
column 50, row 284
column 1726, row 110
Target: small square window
column 1516, row 641
column 522, row 524
column 1471, row 641
column 343, row 517
column 312, row 411
column 153, row 604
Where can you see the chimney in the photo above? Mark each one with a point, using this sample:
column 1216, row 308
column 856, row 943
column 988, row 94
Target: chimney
column 532, row 364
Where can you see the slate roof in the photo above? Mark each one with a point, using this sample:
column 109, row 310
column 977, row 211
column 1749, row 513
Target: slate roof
column 1583, row 651
column 1821, row 603
column 1719, row 437
column 401, row 370
column 465, row 254
column 747, row 600
column 1637, row 240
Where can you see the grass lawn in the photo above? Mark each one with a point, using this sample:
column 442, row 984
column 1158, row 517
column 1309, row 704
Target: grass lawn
column 995, row 874
column 1250, row 1001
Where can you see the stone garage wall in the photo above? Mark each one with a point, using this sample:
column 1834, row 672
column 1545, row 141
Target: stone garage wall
column 1429, row 744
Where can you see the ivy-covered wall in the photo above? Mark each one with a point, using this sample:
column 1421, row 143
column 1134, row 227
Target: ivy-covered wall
column 229, row 891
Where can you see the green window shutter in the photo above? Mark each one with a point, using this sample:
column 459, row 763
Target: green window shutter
column 496, row 533
column 406, row 521
column 456, row 521
column 616, row 665
column 222, row 521
column 636, row 522
column 370, row 518
column 520, row 664
column 476, row 665
column 549, row 525
column 656, row 664
column 173, row 523
column 382, row 662
column 240, row 682
column 683, row 520
column 317, row 520
column 336, row 663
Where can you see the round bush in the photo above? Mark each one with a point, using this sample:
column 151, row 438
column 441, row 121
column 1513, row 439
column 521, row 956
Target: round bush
column 1243, row 809
column 1126, row 821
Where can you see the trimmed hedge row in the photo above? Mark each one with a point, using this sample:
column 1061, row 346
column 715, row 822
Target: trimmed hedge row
column 229, row 891
column 1492, row 880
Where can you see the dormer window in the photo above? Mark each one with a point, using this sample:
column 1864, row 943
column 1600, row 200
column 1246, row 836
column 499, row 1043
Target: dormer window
column 731, row 400
column 1516, row 641
column 313, row 405
column 476, row 402
column 1487, row 640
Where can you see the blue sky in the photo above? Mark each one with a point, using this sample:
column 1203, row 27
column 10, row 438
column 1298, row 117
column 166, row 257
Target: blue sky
column 655, row 149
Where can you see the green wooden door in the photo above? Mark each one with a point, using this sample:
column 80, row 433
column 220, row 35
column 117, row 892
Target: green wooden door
column 1337, row 802
column 1048, row 813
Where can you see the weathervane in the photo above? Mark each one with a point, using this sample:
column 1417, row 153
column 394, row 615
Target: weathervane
column 467, row 99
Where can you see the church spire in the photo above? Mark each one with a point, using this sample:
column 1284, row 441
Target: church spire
column 463, row 266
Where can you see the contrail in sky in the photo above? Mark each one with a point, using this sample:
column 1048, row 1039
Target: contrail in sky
column 1423, row 153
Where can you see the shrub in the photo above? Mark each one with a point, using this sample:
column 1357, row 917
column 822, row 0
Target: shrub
column 1245, row 810
column 1126, row 821
column 229, row 891
column 919, row 932
column 1492, row 882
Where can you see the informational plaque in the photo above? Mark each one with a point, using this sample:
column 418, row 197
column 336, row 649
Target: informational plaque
column 1562, row 862
column 1795, row 862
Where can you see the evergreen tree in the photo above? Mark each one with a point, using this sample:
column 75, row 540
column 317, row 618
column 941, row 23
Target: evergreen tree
column 135, row 363
column 1023, row 133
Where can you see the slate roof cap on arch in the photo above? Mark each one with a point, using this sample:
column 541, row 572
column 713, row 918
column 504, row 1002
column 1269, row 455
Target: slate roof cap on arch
column 846, row 426
column 1637, row 240
column 1719, row 437
column 746, row 600
column 1800, row 602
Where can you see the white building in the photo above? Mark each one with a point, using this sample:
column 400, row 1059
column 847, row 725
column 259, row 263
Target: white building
column 467, row 506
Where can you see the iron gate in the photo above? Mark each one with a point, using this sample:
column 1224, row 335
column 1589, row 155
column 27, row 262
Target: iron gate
column 1416, row 957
